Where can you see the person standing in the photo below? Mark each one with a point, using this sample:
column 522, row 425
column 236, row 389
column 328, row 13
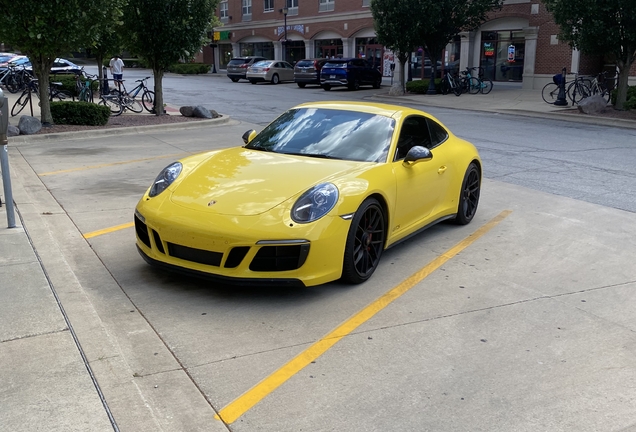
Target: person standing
column 117, row 69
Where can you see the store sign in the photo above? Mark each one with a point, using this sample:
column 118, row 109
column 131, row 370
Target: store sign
column 511, row 53
column 489, row 49
column 300, row 28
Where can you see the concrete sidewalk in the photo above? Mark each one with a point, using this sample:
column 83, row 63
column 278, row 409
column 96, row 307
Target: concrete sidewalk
column 45, row 380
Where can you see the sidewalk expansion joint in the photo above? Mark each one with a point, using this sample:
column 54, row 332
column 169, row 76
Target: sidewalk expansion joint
column 32, row 335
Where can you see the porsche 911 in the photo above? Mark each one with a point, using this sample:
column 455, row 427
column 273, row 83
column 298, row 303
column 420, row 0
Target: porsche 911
column 316, row 196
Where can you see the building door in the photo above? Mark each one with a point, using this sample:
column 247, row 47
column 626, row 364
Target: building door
column 329, row 51
column 373, row 54
column 502, row 55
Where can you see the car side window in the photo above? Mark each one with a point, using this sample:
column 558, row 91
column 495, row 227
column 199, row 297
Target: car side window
column 438, row 133
column 414, row 132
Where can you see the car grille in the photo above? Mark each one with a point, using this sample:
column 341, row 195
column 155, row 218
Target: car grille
column 267, row 259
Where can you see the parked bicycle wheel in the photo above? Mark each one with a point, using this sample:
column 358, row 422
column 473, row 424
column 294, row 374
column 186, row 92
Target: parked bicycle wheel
column 486, row 86
column 148, row 101
column 577, row 91
column 550, row 93
column 112, row 102
column 11, row 83
column 132, row 104
column 472, row 85
column 19, row 105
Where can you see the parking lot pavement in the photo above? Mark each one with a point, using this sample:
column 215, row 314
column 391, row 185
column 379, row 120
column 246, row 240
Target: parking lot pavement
column 529, row 328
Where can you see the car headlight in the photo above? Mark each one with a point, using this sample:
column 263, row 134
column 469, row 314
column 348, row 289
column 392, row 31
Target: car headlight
column 165, row 178
column 315, row 203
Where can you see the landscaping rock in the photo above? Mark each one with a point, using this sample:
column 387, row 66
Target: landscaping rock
column 202, row 112
column 29, row 125
column 13, row 131
column 187, row 111
column 594, row 104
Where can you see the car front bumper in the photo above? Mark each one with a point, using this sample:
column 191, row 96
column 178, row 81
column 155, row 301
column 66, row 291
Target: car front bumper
column 267, row 249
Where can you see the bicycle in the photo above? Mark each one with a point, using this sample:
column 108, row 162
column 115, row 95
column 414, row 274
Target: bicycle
column 147, row 96
column 17, row 79
column 84, row 88
column 25, row 97
column 469, row 83
column 450, row 84
column 484, row 83
column 599, row 86
column 577, row 89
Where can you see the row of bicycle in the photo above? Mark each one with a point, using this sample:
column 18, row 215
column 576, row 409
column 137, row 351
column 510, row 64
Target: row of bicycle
column 578, row 88
column 467, row 82
column 88, row 88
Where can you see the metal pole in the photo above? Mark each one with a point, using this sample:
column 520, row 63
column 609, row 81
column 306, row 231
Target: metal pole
column 4, row 160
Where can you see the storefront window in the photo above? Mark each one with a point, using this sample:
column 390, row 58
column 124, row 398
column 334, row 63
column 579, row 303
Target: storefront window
column 263, row 49
column 329, row 48
column 502, row 55
column 371, row 50
column 294, row 51
column 225, row 54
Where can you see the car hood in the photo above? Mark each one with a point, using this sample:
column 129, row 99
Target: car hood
column 240, row 181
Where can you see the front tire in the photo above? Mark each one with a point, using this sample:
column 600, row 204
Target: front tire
column 326, row 87
column 113, row 104
column 550, row 93
column 19, row 105
column 365, row 242
column 469, row 195
column 148, row 101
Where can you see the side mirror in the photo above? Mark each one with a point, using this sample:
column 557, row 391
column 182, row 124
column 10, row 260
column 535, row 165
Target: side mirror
column 249, row 136
column 417, row 154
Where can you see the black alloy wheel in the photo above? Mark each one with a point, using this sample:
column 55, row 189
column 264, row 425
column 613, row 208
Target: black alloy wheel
column 365, row 242
column 469, row 195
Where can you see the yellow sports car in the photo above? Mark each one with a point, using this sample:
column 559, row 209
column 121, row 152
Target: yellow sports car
column 316, row 196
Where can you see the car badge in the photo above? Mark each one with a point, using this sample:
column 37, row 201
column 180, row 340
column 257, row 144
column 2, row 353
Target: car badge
column 211, row 203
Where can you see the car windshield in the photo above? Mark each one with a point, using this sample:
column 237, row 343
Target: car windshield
column 328, row 133
column 335, row 65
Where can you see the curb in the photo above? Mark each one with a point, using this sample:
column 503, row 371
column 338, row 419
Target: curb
column 120, row 131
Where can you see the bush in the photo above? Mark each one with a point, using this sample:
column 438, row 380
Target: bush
column 421, row 86
column 189, row 68
column 79, row 113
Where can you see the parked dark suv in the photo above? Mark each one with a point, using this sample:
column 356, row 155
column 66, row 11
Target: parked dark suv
column 351, row 72
column 237, row 67
column 307, row 71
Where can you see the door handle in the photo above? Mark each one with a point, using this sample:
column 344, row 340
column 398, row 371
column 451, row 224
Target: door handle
column 442, row 169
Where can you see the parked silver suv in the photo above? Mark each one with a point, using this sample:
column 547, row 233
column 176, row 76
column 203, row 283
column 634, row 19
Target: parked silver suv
column 237, row 67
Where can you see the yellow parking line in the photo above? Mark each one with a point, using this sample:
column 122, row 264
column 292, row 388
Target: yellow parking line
column 243, row 403
column 108, row 230
column 111, row 164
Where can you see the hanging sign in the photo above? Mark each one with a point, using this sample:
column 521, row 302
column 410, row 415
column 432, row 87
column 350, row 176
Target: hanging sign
column 511, row 53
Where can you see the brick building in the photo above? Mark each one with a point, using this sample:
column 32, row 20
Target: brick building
column 517, row 43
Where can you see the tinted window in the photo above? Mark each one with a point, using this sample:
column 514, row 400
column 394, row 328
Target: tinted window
column 238, row 61
column 305, row 63
column 438, row 133
column 414, row 132
column 328, row 133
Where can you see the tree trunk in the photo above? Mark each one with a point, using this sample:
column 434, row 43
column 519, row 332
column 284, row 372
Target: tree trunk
column 99, row 58
column 621, row 86
column 42, row 68
column 403, row 58
column 158, row 75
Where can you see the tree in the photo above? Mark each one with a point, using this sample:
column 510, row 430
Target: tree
column 164, row 31
column 600, row 27
column 108, row 41
column 398, row 27
column 447, row 18
column 46, row 29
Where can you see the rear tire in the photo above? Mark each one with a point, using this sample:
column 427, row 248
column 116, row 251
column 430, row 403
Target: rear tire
column 275, row 79
column 252, row 81
column 377, row 84
column 133, row 104
column 301, row 85
column 486, row 86
column 473, row 85
column 469, row 195
column 326, row 87
column 234, row 79
column 365, row 242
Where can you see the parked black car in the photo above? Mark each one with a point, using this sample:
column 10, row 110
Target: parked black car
column 307, row 71
column 237, row 67
column 349, row 72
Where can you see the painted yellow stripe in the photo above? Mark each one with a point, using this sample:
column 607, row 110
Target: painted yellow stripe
column 178, row 155
column 243, row 403
column 108, row 230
